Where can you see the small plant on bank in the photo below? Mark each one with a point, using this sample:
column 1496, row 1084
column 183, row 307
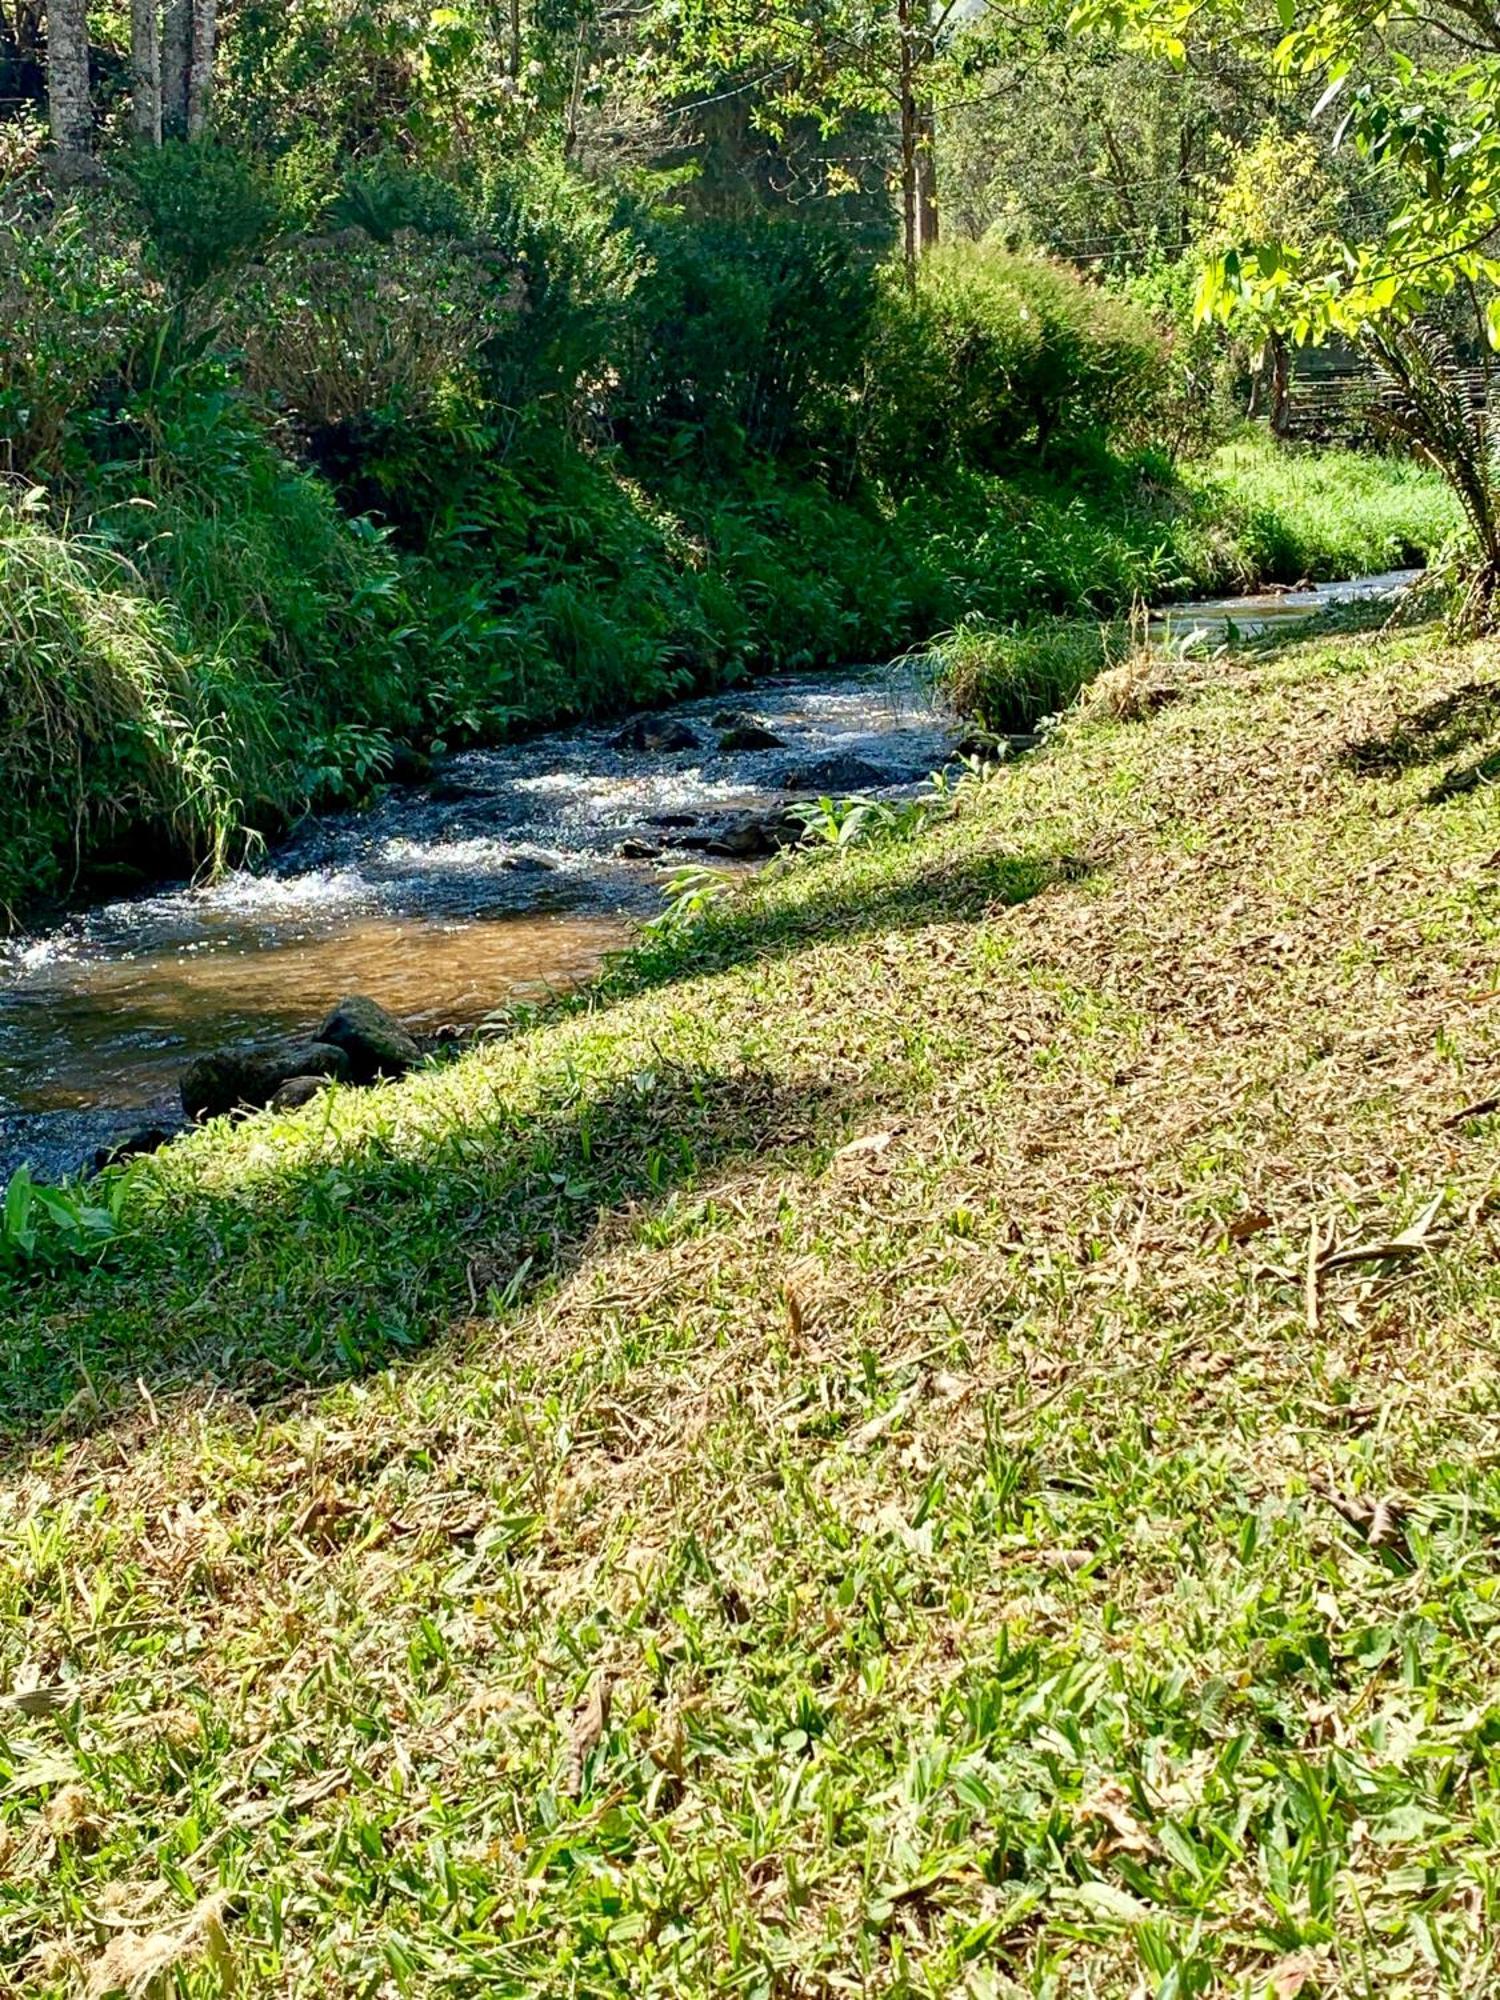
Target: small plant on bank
column 689, row 895
column 45, row 1227
column 344, row 765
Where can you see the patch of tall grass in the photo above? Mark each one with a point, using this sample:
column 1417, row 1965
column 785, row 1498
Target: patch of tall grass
column 104, row 735
column 1271, row 514
column 1008, row 677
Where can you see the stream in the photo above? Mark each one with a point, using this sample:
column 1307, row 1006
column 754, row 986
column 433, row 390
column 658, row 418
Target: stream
column 501, row 880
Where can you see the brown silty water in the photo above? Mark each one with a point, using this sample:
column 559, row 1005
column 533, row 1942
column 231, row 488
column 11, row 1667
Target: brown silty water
column 502, row 880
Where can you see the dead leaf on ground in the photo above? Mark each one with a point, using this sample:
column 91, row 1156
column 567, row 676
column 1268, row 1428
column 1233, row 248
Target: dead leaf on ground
column 1288, row 1976
column 1111, row 1803
column 39, row 1701
column 590, row 1721
column 1378, row 1522
column 70, row 1815
column 870, row 1146
column 1412, row 1241
column 1249, row 1222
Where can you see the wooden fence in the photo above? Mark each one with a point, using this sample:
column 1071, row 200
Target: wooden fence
column 1342, row 403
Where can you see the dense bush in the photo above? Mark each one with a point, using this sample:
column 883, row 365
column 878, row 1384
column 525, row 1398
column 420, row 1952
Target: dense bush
column 994, row 357
column 76, row 307
column 745, row 339
column 102, row 730
column 207, row 209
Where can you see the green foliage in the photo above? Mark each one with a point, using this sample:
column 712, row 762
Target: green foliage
column 689, row 895
column 1292, row 514
column 1010, row 677
column 388, row 195
column 48, row 1228
column 995, row 356
column 103, row 731
column 745, row 338
column 74, row 302
column 209, row 208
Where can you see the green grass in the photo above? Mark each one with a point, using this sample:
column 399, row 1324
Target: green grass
column 856, row 1457
column 1320, row 515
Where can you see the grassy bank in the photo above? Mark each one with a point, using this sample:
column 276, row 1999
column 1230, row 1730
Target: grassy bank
column 940, row 1432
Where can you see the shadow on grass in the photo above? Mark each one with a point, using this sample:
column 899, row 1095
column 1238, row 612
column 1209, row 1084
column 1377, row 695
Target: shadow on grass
column 1466, row 719
column 331, row 1266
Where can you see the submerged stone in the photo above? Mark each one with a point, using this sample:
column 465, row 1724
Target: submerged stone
column 299, row 1090
column 841, row 772
column 747, row 734
column 659, row 733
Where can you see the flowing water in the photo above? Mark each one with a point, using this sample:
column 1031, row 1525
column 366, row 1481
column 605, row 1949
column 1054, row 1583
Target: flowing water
column 503, row 879
column 1219, row 618
column 500, row 880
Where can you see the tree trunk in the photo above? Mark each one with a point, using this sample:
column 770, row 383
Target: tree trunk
column 1281, row 387
column 68, row 104
column 145, row 70
column 176, row 59
column 204, row 37
column 927, row 205
column 906, row 99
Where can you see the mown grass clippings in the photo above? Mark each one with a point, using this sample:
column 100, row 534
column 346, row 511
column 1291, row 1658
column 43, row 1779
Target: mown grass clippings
column 1037, row 1606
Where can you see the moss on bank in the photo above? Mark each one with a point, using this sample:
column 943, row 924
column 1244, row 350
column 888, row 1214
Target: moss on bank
column 908, row 1451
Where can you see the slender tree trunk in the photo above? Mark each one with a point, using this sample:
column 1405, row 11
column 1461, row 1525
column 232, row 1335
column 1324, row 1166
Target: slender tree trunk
column 145, row 69
column 203, row 40
column 927, row 203
column 906, row 99
column 575, row 98
column 68, row 79
column 1281, row 386
column 515, row 38
column 176, row 59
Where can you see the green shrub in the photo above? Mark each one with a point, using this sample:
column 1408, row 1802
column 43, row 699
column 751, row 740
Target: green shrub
column 993, row 357
column 340, row 332
column 76, row 307
column 102, row 732
column 208, row 207
column 571, row 248
column 387, row 196
column 46, row 1228
column 745, row 336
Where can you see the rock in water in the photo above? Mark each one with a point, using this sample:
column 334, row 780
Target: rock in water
column 751, row 836
column 299, row 1090
column 655, row 732
column 373, row 1040
column 132, row 1146
column 839, row 773
column 247, row 1079
column 748, row 734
